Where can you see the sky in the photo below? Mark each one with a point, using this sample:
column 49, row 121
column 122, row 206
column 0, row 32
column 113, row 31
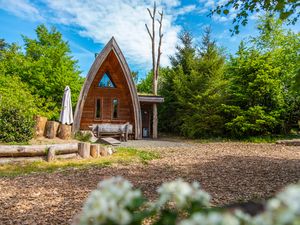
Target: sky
column 87, row 25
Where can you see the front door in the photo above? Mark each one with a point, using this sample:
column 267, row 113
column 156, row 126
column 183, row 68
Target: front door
column 146, row 123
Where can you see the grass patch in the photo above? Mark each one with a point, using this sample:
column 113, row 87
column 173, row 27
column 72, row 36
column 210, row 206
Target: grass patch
column 122, row 156
column 271, row 138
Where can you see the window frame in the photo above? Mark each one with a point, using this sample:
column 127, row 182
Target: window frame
column 101, row 108
column 112, row 107
column 109, row 77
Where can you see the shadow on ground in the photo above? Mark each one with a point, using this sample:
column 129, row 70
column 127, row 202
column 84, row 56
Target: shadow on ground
column 56, row 198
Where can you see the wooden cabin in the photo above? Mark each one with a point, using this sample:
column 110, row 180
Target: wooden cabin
column 109, row 96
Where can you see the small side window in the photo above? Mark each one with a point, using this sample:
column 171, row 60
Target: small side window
column 98, row 108
column 115, row 108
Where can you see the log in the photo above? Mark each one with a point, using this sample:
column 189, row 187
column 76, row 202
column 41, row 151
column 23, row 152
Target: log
column 95, row 150
column 34, row 159
column 40, row 126
column 65, row 148
column 36, row 150
column 293, row 142
column 84, row 149
column 51, row 155
column 21, row 159
column 51, row 129
column 105, row 150
column 64, row 131
column 67, row 156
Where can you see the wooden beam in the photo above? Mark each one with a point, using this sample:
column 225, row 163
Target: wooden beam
column 36, row 150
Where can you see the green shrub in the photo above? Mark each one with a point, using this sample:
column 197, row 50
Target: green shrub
column 83, row 136
column 15, row 126
column 252, row 122
column 17, row 108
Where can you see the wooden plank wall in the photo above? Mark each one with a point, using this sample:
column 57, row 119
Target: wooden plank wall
column 121, row 92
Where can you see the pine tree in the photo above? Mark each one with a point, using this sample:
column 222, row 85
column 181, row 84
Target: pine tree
column 205, row 92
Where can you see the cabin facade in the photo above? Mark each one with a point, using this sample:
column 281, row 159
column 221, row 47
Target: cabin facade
column 109, row 96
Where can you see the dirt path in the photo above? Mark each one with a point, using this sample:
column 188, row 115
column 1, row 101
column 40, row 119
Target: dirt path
column 231, row 172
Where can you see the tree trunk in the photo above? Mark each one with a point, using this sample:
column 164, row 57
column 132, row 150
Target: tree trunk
column 293, row 142
column 67, row 156
column 51, row 129
column 84, row 149
column 64, row 131
column 155, row 64
column 103, row 151
column 21, row 159
column 155, row 121
column 51, row 154
column 40, row 126
column 95, row 150
column 36, row 150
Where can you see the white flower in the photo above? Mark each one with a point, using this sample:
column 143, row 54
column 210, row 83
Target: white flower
column 291, row 197
column 284, row 209
column 212, row 218
column 110, row 202
column 181, row 193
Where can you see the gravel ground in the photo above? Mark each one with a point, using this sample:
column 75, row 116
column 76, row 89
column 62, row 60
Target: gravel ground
column 231, row 172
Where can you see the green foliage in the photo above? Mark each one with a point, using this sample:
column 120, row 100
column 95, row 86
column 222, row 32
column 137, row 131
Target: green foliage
column 145, row 85
column 46, row 66
column 2, row 44
column 286, row 10
column 262, row 99
column 17, row 107
column 82, row 136
column 254, row 93
column 135, row 76
column 122, row 156
column 193, row 89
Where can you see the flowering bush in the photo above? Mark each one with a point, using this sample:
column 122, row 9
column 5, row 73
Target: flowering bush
column 116, row 202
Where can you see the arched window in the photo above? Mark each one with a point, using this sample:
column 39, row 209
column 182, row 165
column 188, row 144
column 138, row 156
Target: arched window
column 106, row 81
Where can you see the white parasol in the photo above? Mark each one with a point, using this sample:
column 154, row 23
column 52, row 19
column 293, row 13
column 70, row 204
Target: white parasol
column 66, row 114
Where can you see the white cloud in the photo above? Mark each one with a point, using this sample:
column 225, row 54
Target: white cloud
column 21, row 8
column 208, row 5
column 186, row 9
column 125, row 20
column 219, row 18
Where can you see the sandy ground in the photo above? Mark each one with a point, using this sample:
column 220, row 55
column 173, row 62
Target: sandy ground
column 231, row 172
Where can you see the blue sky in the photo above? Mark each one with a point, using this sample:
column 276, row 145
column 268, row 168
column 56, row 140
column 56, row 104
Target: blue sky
column 88, row 25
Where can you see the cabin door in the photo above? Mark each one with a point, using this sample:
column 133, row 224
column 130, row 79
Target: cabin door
column 146, row 123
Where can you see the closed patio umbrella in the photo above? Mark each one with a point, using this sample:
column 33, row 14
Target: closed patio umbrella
column 66, row 114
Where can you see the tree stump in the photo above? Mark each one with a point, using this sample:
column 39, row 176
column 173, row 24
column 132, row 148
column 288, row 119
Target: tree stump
column 95, row 150
column 40, row 126
column 64, row 131
column 103, row 151
column 51, row 154
column 84, row 149
column 51, row 129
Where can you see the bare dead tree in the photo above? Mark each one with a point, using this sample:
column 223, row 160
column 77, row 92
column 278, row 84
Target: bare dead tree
column 155, row 63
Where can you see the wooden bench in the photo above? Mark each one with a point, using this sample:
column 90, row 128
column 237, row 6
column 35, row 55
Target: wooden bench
column 112, row 130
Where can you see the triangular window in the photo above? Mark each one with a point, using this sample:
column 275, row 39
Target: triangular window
column 106, row 81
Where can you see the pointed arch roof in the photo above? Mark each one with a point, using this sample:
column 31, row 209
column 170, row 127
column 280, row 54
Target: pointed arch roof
column 110, row 46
